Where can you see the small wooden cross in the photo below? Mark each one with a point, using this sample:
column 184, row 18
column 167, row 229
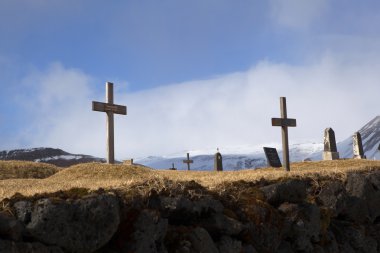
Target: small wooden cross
column 110, row 108
column 284, row 123
column 188, row 161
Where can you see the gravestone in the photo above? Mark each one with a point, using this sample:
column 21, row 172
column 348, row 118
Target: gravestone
column 284, row 122
column 330, row 151
column 173, row 168
column 357, row 146
column 218, row 161
column 110, row 108
column 272, row 157
column 188, row 161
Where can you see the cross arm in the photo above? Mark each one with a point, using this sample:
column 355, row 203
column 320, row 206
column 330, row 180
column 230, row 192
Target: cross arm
column 105, row 107
column 284, row 122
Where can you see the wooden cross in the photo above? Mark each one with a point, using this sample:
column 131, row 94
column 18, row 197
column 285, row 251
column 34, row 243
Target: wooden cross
column 110, row 108
column 284, row 123
column 188, row 161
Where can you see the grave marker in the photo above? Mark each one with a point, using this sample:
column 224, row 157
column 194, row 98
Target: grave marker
column 218, row 161
column 357, row 146
column 284, row 122
column 188, row 161
column 173, row 168
column 330, row 151
column 272, row 157
column 110, row 108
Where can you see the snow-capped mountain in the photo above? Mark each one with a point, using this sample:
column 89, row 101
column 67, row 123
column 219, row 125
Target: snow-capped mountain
column 48, row 155
column 370, row 133
column 236, row 158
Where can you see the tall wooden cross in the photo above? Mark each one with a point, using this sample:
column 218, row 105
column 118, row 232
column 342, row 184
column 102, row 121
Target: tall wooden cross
column 188, row 161
column 110, row 108
column 284, row 123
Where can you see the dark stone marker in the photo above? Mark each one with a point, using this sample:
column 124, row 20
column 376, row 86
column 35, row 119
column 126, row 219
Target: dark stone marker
column 173, row 168
column 218, row 161
column 272, row 157
column 188, row 161
column 358, row 146
column 330, row 150
column 284, row 123
column 110, row 108
column 378, row 148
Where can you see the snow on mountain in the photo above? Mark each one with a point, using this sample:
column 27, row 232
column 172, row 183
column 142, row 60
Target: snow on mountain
column 370, row 133
column 234, row 158
column 48, row 155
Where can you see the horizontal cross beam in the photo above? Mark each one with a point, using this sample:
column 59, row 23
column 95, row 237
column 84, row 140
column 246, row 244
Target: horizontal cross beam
column 106, row 107
column 284, row 122
column 187, row 161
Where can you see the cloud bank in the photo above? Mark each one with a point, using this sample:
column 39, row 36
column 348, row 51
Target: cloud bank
column 228, row 110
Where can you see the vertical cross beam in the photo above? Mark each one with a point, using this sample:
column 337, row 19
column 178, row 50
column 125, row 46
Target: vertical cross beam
column 188, row 161
column 110, row 125
column 284, row 123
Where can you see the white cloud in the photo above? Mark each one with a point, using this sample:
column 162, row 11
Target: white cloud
column 297, row 13
column 228, row 110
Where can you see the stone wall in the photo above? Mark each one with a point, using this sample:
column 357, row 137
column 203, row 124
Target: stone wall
column 297, row 215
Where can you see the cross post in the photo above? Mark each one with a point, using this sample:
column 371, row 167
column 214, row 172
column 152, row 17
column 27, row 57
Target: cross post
column 284, row 122
column 188, row 161
column 110, row 108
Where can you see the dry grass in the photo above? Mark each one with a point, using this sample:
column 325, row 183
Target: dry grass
column 94, row 176
column 22, row 169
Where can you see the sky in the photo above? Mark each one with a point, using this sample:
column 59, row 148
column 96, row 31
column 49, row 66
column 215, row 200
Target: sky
column 194, row 75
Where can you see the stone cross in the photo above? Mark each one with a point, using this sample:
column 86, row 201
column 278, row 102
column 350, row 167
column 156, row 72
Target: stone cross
column 284, row 122
column 330, row 151
column 218, row 161
column 358, row 146
column 173, row 168
column 188, row 161
column 110, row 108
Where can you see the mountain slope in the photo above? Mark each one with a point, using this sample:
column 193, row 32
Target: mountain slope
column 370, row 133
column 54, row 156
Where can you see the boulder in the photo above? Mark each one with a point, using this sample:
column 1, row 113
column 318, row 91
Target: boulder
column 367, row 188
column 333, row 195
column 302, row 225
column 23, row 247
column 149, row 233
column 293, row 191
column 23, row 211
column 82, row 225
column 10, row 227
column 201, row 241
column 220, row 224
column 228, row 245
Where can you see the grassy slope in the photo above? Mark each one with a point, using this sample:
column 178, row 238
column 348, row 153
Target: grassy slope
column 33, row 178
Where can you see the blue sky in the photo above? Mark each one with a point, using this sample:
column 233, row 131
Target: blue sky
column 207, row 71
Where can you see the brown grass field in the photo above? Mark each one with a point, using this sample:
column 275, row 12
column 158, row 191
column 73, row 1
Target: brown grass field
column 28, row 178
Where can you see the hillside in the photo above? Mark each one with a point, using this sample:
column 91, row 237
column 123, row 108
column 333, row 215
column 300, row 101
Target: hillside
column 328, row 206
column 53, row 156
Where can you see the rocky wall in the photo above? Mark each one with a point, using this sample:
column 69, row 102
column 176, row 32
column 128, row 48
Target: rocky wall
column 297, row 215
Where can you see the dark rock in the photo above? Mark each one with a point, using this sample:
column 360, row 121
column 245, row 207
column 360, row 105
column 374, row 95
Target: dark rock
column 228, row 245
column 22, row 247
column 81, row 226
column 201, row 241
column 247, row 248
column 149, row 233
column 303, row 225
column 350, row 236
column 285, row 247
column 23, row 211
column 367, row 188
column 220, row 224
column 333, row 195
column 355, row 209
column 293, row 191
column 10, row 227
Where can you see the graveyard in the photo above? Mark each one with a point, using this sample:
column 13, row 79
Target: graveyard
column 139, row 209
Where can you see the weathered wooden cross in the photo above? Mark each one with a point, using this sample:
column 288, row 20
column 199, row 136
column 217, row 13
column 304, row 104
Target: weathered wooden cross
column 188, row 161
column 284, row 123
column 110, row 108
